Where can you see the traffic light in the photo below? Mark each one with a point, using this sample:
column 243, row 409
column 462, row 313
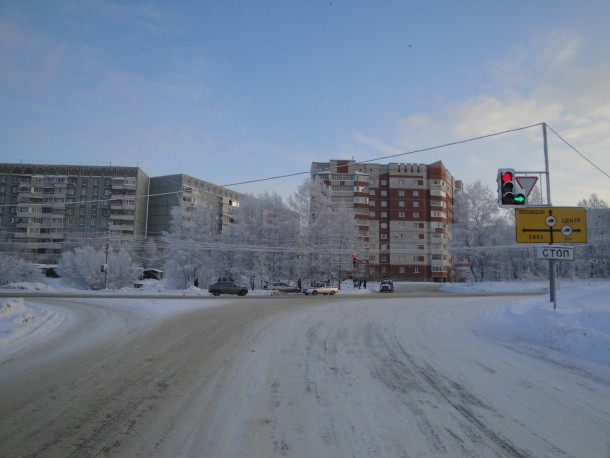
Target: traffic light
column 354, row 259
column 510, row 194
column 102, row 268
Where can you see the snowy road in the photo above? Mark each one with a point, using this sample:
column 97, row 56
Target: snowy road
column 299, row 377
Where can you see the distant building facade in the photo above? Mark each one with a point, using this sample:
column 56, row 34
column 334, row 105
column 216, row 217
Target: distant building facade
column 167, row 192
column 46, row 209
column 404, row 214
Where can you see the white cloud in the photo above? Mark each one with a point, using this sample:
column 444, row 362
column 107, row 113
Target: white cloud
column 572, row 99
column 545, row 55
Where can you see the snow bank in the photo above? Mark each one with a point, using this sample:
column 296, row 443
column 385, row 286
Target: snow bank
column 22, row 323
column 580, row 325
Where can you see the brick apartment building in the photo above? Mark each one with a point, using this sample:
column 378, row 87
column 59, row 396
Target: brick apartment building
column 403, row 212
column 46, row 209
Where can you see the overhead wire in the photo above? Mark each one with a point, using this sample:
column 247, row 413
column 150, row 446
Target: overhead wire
column 578, row 152
column 211, row 187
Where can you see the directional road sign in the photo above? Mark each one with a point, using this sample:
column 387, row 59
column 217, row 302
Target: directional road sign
column 551, row 225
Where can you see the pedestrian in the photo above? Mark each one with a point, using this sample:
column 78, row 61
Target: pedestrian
column 196, row 283
column 364, row 283
column 299, row 284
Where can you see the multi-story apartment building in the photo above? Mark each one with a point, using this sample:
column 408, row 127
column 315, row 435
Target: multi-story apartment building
column 403, row 212
column 167, row 192
column 46, row 209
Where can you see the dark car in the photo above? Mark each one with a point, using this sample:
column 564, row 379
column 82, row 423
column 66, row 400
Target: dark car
column 386, row 286
column 227, row 287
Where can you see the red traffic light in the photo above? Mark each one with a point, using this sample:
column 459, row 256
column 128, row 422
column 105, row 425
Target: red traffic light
column 507, row 176
column 354, row 256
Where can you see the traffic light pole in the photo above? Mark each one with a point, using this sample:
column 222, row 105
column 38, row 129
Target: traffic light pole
column 552, row 262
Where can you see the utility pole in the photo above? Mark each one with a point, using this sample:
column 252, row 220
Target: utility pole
column 106, row 261
column 552, row 262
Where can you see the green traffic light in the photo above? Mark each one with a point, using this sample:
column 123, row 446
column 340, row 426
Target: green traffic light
column 520, row 199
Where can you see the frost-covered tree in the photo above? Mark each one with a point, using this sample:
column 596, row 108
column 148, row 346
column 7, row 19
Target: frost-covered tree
column 478, row 227
column 261, row 245
column 592, row 260
column 185, row 246
column 151, row 256
column 14, row 269
column 594, row 201
column 328, row 234
column 82, row 267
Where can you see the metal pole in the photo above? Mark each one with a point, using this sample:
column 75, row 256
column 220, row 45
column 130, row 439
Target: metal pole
column 106, row 262
column 552, row 266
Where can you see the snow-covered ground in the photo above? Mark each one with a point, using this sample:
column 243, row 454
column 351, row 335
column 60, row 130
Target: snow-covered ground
column 580, row 325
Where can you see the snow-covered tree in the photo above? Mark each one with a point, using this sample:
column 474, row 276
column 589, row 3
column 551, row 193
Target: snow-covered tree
column 594, row 201
column 185, row 247
column 478, row 227
column 262, row 243
column 328, row 234
column 151, row 256
column 592, row 260
column 82, row 267
column 14, row 269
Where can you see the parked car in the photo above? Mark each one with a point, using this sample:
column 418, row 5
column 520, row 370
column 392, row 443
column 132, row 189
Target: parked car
column 320, row 288
column 283, row 287
column 386, row 286
column 227, row 287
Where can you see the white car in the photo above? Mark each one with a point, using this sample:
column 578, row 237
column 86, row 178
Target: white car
column 283, row 287
column 320, row 288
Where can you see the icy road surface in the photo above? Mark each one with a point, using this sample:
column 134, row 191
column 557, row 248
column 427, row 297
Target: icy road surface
column 369, row 376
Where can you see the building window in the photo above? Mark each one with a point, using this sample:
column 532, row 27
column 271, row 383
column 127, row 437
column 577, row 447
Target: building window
column 401, row 214
column 401, row 203
column 415, row 214
column 401, row 270
column 415, row 204
column 416, row 270
column 416, row 193
column 401, row 192
column 383, row 215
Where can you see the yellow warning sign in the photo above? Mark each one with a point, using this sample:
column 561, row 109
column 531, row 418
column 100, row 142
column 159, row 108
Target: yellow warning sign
column 551, row 225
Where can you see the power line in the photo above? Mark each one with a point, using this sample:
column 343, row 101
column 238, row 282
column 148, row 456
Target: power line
column 406, row 153
column 211, row 187
column 578, row 152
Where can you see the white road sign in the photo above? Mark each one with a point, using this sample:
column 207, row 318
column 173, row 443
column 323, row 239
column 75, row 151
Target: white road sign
column 563, row 253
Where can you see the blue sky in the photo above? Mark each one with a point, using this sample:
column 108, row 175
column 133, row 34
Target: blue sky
column 234, row 91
